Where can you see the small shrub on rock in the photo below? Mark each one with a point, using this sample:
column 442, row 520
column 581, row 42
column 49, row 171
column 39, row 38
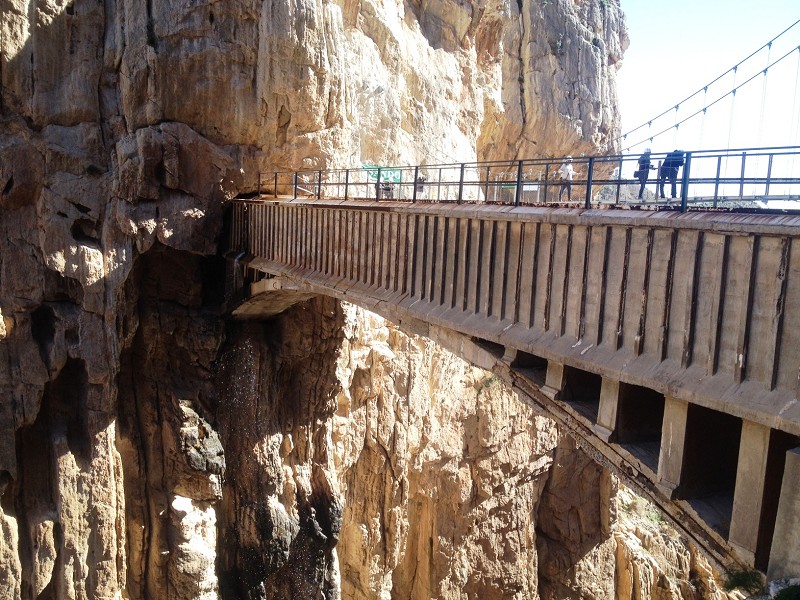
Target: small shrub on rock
column 743, row 579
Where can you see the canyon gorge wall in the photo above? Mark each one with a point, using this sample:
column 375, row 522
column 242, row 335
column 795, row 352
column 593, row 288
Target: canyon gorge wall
column 151, row 449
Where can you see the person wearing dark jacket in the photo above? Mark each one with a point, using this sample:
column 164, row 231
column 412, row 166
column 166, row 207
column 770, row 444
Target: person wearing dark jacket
column 672, row 163
column 644, row 170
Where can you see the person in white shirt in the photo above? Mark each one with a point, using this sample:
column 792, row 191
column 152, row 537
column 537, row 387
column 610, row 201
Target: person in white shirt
column 567, row 174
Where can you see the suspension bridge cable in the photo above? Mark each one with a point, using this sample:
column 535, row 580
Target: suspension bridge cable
column 763, row 98
column 794, row 130
column 733, row 107
column 795, row 117
column 703, row 121
column 649, row 122
column 732, row 92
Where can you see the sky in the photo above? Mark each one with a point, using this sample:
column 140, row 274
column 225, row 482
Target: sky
column 679, row 46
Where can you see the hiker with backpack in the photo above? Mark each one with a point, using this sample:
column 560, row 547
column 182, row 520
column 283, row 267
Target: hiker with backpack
column 644, row 171
column 672, row 163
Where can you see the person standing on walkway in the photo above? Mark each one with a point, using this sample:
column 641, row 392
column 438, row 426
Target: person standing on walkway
column 644, row 171
column 420, row 185
column 567, row 174
column 672, row 163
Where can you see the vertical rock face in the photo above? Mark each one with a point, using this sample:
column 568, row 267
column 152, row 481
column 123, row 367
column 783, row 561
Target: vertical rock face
column 407, row 473
column 574, row 526
column 282, row 507
column 442, row 470
column 316, row 83
column 151, row 450
column 172, row 460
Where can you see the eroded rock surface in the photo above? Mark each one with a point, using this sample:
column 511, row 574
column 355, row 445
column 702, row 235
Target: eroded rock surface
column 443, row 470
column 151, row 450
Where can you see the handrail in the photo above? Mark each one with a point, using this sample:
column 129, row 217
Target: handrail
column 754, row 175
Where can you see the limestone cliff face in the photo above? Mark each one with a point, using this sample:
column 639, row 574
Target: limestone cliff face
column 442, row 469
column 309, row 83
column 150, row 449
column 407, row 473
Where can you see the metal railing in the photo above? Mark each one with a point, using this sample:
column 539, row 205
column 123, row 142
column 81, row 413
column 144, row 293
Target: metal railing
column 749, row 177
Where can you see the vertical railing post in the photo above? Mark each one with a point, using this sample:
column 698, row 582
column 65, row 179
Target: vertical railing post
column 236, row 242
column 460, row 184
column 346, row 183
column 365, row 173
column 232, row 238
column 687, row 167
column 769, row 174
column 716, row 181
column 276, row 184
column 416, row 184
column 546, row 179
column 242, row 214
column 399, row 194
column 378, row 185
column 486, row 186
column 294, row 193
column 246, row 230
column 589, row 175
column 619, row 180
column 741, row 178
column 319, row 184
column 439, row 187
column 518, row 189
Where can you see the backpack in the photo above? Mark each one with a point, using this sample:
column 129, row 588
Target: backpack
column 674, row 159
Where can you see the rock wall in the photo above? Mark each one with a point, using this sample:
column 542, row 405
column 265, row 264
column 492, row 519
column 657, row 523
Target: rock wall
column 408, row 473
column 310, row 83
column 153, row 450
column 173, row 464
column 442, row 471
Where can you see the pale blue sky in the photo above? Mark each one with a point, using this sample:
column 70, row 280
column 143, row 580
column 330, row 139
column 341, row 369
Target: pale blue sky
column 678, row 46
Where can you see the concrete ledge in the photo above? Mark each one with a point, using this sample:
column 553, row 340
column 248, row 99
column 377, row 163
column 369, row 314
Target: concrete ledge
column 601, row 432
column 768, row 224
column 551, row 393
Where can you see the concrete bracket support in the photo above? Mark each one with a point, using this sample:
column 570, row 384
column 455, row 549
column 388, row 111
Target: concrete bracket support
column 673, row 438
column 748, row 496
column 607, row 413
column 784, row 558
column 510, row 355
column 554, row 381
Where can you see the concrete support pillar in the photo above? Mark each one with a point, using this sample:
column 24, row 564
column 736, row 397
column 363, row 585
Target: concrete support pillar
column 509, row 355
column 784, row 558
column 554, row 380
column 673, row 438
column 607, row 413
column 748, row 496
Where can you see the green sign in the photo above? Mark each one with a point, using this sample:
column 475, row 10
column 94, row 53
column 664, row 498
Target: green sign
column 387, row 175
